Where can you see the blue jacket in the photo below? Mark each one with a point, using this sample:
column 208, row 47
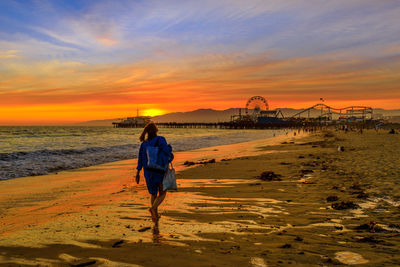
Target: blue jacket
column 162, row 144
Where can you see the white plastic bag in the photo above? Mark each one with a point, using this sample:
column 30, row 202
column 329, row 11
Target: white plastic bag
column 169, row 181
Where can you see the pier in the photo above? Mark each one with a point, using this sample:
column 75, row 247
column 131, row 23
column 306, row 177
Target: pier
column 218, row 125
column 235, row 125
column 257, row 115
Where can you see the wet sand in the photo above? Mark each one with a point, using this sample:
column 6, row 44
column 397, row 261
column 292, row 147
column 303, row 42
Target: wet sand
column 223, row 214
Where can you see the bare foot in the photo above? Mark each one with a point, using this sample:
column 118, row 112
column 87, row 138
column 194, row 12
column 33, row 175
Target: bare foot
column 153, row 215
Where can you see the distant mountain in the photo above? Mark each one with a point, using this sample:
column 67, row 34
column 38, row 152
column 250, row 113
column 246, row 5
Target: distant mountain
column 387, row 113
column 107, row 122
column 212, row 115
column 199, row 115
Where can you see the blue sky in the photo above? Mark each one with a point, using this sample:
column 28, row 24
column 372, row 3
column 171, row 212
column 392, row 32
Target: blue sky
column 73, row 29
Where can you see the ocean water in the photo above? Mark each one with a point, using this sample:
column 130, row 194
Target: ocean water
column 38, row 150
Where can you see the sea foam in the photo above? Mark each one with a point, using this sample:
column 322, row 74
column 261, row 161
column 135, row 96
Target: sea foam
column 43, row 161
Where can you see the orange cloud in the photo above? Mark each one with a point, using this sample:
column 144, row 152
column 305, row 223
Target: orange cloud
column 107, row 41
column 57, row 91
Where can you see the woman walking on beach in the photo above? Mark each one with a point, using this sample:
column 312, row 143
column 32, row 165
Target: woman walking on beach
column 154, row 178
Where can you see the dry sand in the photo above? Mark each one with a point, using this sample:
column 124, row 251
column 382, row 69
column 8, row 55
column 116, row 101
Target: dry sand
column 223, row 214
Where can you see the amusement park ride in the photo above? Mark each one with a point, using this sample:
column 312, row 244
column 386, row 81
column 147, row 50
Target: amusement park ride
column 258, row 116
column 257, row 111
column 352, row 113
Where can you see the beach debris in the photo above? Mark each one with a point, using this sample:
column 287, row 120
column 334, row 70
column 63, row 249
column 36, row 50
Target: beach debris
column 392, row 131
column 144, row 229
column 339, row 227
column 206, row 161
column 83, row 264
column 344, row 205
column 308, row 164
column 370, row 227
column 285, row 163
column 303, row 172
column 118, row 244
column 332, row 198
column 298, row 238
column 350, row 258
column 97, row 226
column 355, row 187
column 270, row 176
column 340, row 149
column 191, row 163
column 301, row 157
column 286, row 246
column 362, row 195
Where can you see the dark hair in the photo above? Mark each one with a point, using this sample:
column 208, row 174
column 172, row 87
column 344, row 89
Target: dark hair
column 151, row 130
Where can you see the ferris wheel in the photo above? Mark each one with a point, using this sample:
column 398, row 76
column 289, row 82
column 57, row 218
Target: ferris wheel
column 255, row 105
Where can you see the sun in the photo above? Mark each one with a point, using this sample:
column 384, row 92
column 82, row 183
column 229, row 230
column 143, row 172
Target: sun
column 152, row 112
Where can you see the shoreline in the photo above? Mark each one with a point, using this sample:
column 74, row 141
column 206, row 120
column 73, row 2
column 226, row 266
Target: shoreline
column 224, row 214
column 45, row 159
column 26, row 200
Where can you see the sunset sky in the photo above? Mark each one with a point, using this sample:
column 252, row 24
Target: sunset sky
column 68, row 61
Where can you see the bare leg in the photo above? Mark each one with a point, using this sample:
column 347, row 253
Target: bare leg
column 158, row 200
column 151, row 210
column 153, row 197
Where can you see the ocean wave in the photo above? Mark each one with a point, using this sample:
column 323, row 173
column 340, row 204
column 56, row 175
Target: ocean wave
column 32, row 163
column 44, row 161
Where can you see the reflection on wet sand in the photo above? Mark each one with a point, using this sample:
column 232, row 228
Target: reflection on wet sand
column 25, row 202
column 156, row 233
column 223, row 214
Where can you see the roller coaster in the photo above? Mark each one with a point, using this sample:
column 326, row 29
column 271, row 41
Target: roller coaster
column 352, row 113
column 257, row 111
